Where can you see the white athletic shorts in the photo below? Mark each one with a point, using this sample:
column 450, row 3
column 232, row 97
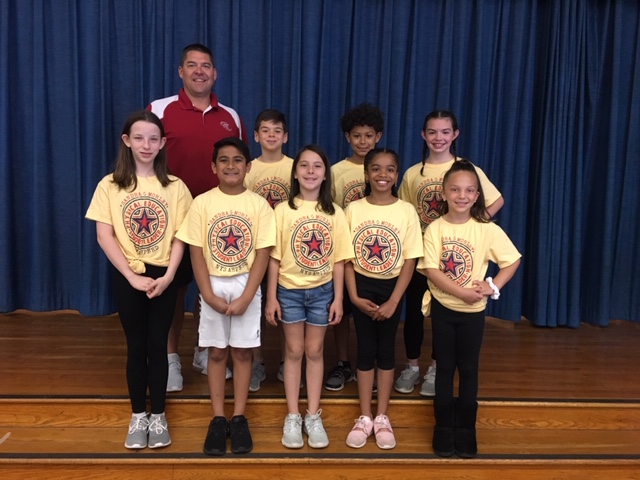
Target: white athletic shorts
column 219, row 330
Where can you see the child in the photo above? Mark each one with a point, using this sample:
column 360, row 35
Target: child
column 386, row 236
column 230, row 231
column 138, row 209
column 270, row 176
column 421, row 186
column 457, row 250
column 306, row 284
column 362, row 127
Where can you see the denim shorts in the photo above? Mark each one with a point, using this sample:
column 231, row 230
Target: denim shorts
column 310, row 305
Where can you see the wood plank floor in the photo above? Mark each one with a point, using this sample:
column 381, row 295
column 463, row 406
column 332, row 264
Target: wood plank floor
column 64, row 353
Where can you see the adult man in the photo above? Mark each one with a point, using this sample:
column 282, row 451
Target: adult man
column 194, row 121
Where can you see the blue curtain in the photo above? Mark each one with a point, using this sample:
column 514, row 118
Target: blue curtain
column 547, row 95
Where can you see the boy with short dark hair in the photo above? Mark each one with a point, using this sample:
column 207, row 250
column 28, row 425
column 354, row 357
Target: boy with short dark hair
column 362, row 127
column 270, row 177
column 230, row 231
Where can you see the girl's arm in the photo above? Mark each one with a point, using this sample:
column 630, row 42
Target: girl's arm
column 107, row 241
column 495, row 206
column 239, row 305
column 272, row 310
column 444, row 283
column 504, row 275
column 160, row 284
column 388, row 308
column 201, row 274
column 335, row 311
column 364, row 305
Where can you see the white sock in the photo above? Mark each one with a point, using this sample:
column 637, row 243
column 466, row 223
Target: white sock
column 415, row 368
column 138, row 416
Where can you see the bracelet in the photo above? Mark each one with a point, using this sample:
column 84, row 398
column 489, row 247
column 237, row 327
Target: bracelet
column 496, row 290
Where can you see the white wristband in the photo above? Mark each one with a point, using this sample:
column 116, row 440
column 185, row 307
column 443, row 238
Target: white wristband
column 496, row 290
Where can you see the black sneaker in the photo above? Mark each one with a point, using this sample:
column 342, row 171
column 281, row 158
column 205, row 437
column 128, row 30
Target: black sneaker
column 240, row 435
column 216, row 441
column 338, row 376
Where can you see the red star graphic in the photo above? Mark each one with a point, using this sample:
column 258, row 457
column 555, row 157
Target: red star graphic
column 231, row 240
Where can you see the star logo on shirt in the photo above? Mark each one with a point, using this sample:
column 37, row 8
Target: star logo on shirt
column 375, row 249
column 144, row 221
column 273, row 198
column 231, row 240
column 450, row 265
column 314, row 244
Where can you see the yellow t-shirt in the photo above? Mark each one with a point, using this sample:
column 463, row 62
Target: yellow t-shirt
column 347, row 182
column 308, row 243
column 463, row 252
column 424, row 191
column 270, row 180
column 229, row 228
column 145, row 220
column 383, row 237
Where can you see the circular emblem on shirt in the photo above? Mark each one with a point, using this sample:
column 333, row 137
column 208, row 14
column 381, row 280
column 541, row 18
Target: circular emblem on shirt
column 429, row 194
column 377, row 249
column 145, row 219
column 352, row 192
column 230, row 240
column 456, row 261
column 274, row 190
column 312, row 244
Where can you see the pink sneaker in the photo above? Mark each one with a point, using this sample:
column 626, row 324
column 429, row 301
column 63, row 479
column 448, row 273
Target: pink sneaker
column 384, row 432
column 358, row 435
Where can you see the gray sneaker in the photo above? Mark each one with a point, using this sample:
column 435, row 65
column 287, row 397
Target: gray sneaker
column 174, row 379
column 428, row 388
column 258, row 375
column 292, row 431
column 280, row 375
column 158, row 431
column 338, row 376
column 314, row 428
column 137, row 435
column 407, row 381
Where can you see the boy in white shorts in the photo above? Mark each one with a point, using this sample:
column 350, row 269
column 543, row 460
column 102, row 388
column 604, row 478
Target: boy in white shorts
column 230, row 231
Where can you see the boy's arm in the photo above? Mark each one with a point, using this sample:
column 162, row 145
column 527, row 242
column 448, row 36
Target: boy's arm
column 107, row 241
column 387, row 309
column 201, row 274
column 239, row 305
column 272, row 310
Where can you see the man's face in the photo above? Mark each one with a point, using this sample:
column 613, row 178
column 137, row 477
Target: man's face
column 198, row 74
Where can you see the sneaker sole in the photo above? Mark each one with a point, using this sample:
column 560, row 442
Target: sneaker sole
column 135, row 446
column 198, row 369
column 174, row 389
column 160, row 445
column 337, row 388
column 241, row 450
column 405, row 390
column 429, row 394
column 215, row 453
column 292, row 445
column 353, row 445
column 255, row 389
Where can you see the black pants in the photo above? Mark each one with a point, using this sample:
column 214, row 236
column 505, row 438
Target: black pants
column 146, row 325
column 413, row 317
column 376, row 339
column 457, row 338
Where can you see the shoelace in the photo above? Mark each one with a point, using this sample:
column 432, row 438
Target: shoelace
column 292, row 423
column 382, row 422
column 157, row 426
column 406, row 373
column 340, row 371
column 140, row 424
column 315, row 423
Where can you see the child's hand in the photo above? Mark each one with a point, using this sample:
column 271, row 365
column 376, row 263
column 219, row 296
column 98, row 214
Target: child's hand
column 471, row 295
column 158, row 286
column 385, row 311
column 335, row 313
column 482, row 287
column 272, row 312
column 365, row 306
column 215, row 302
column 238, row 306
column 141, row 283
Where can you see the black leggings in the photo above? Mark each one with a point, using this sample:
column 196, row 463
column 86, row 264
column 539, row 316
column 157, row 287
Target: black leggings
column 376, row 339
column 457, row 338
column 413, row 317
column 146, row 327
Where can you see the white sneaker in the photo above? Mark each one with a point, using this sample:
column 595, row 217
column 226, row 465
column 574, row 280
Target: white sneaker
column 174, row 378
column 201, row 362
column 314, row 428
column 292, row 431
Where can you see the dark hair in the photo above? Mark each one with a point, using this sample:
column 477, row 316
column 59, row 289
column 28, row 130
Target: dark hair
column 364, row 115
column 231, row 142
column 271, row 115
column 478, row 209
column 368, row 158
column 325, row 201
column 454, row 124
column 196, row 47
column 124, row 169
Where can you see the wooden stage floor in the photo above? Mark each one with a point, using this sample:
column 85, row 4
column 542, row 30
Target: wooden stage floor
column 65, row 354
